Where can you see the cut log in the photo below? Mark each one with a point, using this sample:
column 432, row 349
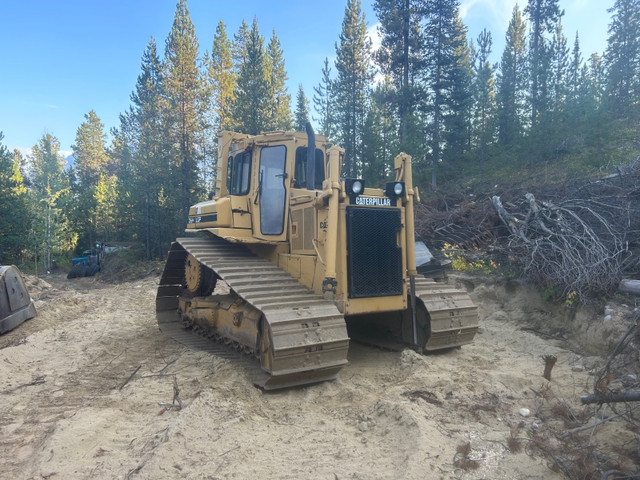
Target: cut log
column 610, row 398
column 631, row 287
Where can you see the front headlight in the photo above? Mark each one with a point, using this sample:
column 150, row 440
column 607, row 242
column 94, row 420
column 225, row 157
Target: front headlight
column 354, row 186
column 394, row 189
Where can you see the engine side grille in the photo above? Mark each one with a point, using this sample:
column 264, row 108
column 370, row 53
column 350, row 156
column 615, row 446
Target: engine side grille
column 374, row 259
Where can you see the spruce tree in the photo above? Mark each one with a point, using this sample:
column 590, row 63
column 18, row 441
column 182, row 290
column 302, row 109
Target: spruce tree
column 380, row 135
column 279, row 100
column 183, row 89
column 560, row 66
column 251, row 108
column 597, row 80
column 91, row 162
column 51, row 231
column 459, row 100
column 222, row 77
column 574, row 79
column 484, row 90
column 442, row 38
column 512, row 81
column 622, row 57
column 353, row 54
column 543, row 16
column 149, row 156
column 400, row 58
column 89, row 151
column 14, row 212
column 239, row 47
column 301, row 116
column 324, row 102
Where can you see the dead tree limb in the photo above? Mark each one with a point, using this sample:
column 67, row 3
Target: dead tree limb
column 610, row 397
column 570, row 245
column 129, row 378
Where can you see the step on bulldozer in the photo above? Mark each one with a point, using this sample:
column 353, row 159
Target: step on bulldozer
column 305, row 260
column 16, row 305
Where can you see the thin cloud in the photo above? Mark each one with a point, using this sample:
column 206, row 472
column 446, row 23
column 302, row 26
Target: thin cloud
column 496, row 12
column 24, row 151
column 374, row 35
column 51, row 106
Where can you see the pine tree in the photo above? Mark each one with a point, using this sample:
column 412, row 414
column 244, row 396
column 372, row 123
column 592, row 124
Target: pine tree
column 279, row 100
column 222, row 77
column 380, row 135
column 400, row 58
column 442, row 35
column 512, row 81
column 324, row 102
column 597, row 80
column 105, row 210
column 353, row 54
column 560, row 66
column 91, row 161
column 543, row 16
column 574, row 80
column 302, row 110
column 51, row 231
column 622, row 56
column 484, row 90
column 89, row 150
column 459, row 100
column 251, row 109
column 239, row 47
column 183, row 88
column 149, row 156
column 14, row 213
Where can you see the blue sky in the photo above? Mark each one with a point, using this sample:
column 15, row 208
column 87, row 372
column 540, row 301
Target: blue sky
column 60, row 59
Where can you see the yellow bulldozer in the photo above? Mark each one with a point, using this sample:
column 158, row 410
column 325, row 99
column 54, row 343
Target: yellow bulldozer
column 290, row 261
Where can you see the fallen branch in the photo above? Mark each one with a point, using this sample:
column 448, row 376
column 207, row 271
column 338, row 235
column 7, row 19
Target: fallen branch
column 574, row 245
column 589, row 427
column 130, row 377
column 610, row 398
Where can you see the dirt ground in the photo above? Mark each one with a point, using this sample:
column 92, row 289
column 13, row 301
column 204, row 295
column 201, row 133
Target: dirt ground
column 86, row 391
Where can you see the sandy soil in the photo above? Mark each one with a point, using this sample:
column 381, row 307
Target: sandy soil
column 87, row 386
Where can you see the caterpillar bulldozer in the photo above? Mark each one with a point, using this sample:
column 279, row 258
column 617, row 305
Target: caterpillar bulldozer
column 16, row 305
column 289, row 261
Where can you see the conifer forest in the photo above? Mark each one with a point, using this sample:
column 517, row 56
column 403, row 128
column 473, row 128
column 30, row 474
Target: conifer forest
column 547, row 109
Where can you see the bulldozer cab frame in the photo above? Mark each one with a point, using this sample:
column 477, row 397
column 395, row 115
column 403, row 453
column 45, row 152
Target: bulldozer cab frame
column 291, row 206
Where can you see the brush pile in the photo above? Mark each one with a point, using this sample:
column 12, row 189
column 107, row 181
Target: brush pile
column 580, row 238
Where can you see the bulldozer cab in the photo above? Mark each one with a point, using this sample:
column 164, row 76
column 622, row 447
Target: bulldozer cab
column 257, row 178
column 281, row 193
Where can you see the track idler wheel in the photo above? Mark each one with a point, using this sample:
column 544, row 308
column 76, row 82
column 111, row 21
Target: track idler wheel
column 199, row 279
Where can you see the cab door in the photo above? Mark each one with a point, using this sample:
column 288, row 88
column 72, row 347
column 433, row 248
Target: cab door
column 272, row 193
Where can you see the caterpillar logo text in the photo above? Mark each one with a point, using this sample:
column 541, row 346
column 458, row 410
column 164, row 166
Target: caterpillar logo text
column 375, row 201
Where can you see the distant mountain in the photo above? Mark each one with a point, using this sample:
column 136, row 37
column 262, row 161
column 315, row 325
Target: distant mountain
column 69, row 162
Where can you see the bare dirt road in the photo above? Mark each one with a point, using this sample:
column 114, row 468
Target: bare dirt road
column 86, row 390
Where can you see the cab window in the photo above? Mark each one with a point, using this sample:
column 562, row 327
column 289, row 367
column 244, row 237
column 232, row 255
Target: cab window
column 301, row 168
column 239, row 173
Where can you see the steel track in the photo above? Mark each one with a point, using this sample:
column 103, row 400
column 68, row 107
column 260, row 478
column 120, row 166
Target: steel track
column 307, row 334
